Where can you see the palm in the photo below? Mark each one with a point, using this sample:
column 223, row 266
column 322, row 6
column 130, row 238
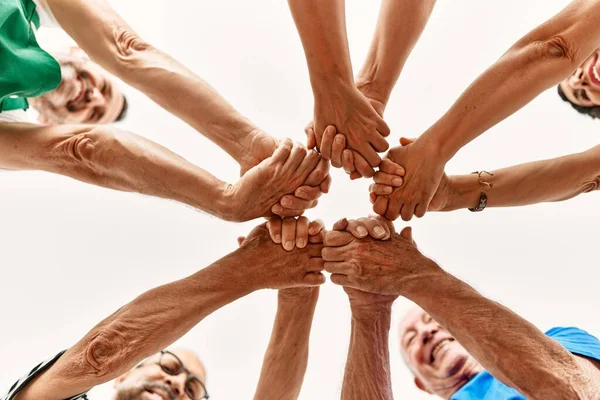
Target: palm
column 261, row 148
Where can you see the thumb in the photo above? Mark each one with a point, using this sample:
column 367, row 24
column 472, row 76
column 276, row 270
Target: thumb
column 240, row 240
column 407, row 234
column 341, row 225
column 313, row 279
column 406, row 141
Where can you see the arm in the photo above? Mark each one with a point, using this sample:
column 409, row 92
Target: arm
column 113, row 44
column 531, row 362
column 322, row 29
column 367, row 373
column 557, row 179
column 160, row 316
column 286, row 358
column 399, row 27
column 539, row 60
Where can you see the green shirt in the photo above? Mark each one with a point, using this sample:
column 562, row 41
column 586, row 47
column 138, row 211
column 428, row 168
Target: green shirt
column 25, row 69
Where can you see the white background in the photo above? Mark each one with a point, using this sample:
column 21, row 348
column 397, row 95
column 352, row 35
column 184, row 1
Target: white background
column 71, row 254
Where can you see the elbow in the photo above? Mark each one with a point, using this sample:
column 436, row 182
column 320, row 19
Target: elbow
column 559, row 53
column 130, row 52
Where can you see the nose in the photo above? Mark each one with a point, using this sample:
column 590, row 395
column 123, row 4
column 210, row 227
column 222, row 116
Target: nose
column 177, row 384
column 579, row 79
column 94, row 97
column 428, row 333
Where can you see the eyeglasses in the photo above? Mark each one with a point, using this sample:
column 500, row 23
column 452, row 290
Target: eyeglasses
column 172, row 365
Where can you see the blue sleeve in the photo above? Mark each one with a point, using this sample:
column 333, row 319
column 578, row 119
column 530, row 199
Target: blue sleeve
column 577, row 341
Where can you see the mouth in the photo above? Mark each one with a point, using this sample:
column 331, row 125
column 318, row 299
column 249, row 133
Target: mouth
column 157, row 394
column 438, row 347
column 594, row 72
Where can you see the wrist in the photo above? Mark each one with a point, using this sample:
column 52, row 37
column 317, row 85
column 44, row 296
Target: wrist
column 226, row 202
column 374, row 88
column 369, row 315
column 298, row 297
column 431, row 279
column 463, row 192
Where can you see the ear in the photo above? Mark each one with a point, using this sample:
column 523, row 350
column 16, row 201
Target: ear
column 420, row 385
column 77, row 52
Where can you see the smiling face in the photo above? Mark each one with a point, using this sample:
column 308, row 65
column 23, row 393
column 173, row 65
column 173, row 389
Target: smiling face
column 582, row 88
column 86, row 94
column 440, row 364
column 150, row 382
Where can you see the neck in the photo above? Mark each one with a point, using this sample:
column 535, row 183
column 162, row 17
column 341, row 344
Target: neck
column 471, row 368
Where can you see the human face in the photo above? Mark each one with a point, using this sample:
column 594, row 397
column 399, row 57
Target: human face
column 583, row 86
column 440, row 364
column 150, row 382
column 86, row 94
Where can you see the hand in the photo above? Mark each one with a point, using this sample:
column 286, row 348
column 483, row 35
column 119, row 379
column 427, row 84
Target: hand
column 261, row 147
column 264, row 185
column 292, row 232
column 270, row 266
column 424, row 170
column 347, row 109
column 353, row 163
column 386, row 267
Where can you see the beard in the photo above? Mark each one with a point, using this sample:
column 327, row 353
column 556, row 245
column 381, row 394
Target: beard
column 135, row 390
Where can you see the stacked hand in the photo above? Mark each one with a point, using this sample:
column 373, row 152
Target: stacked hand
column 410, row 181
column 357, row 131
column 286, row 183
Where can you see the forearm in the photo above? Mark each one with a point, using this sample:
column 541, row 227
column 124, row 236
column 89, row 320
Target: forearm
column 367, row 374
column 141, row 328
column 538, row 61
column 286, row 358
column 110, row 42
column 509, row 347
column 114, row 159
column 322, row 29
column 536, row 182
column 399, row 27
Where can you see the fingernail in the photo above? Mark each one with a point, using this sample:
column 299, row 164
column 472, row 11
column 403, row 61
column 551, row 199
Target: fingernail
column 387, row 190
column 286, row 202
column 361, row 231
column 399, row 172
column 339, row 140
column 277, row 238
column 300, row 243
column 289, row 245
column 397, row 181
column 300, row 193
column 379, row 231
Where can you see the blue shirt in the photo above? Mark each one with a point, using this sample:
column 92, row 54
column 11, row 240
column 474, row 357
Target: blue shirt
column 484, row 386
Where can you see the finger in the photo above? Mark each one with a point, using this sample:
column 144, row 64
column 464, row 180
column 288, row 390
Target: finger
column 326, row 184
column 301, row 232
column 319, row 173
column 334, row 253
column 348, row 161
column 337, row 238
column 316, row 264
column 339, row 144
column 297, row 155
column 421, row 209
column 357, row 229
column 340, row 225
column 384, row 178
column 394, row 207
column 407, row 211
column 240, row 240
column 380, row 205
column 286, row 212
column 379, row 143
column 362, row 166
column 355, row 175
column 339, row 279
column 315, row 227
column 313, row 279
column 293, row 203
column 383, row 128
column 281, row 154
column 327, row 141
column 369, row 154
column 376, row 228
column 311, row 140
column 390, row 167
column 315, row 250
column 307, row 192
column 406, row 141
column 288, row 233
column 274, row 227
column 380, row 190
column 406, row 233
column 309, row 163
column 338, row 267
